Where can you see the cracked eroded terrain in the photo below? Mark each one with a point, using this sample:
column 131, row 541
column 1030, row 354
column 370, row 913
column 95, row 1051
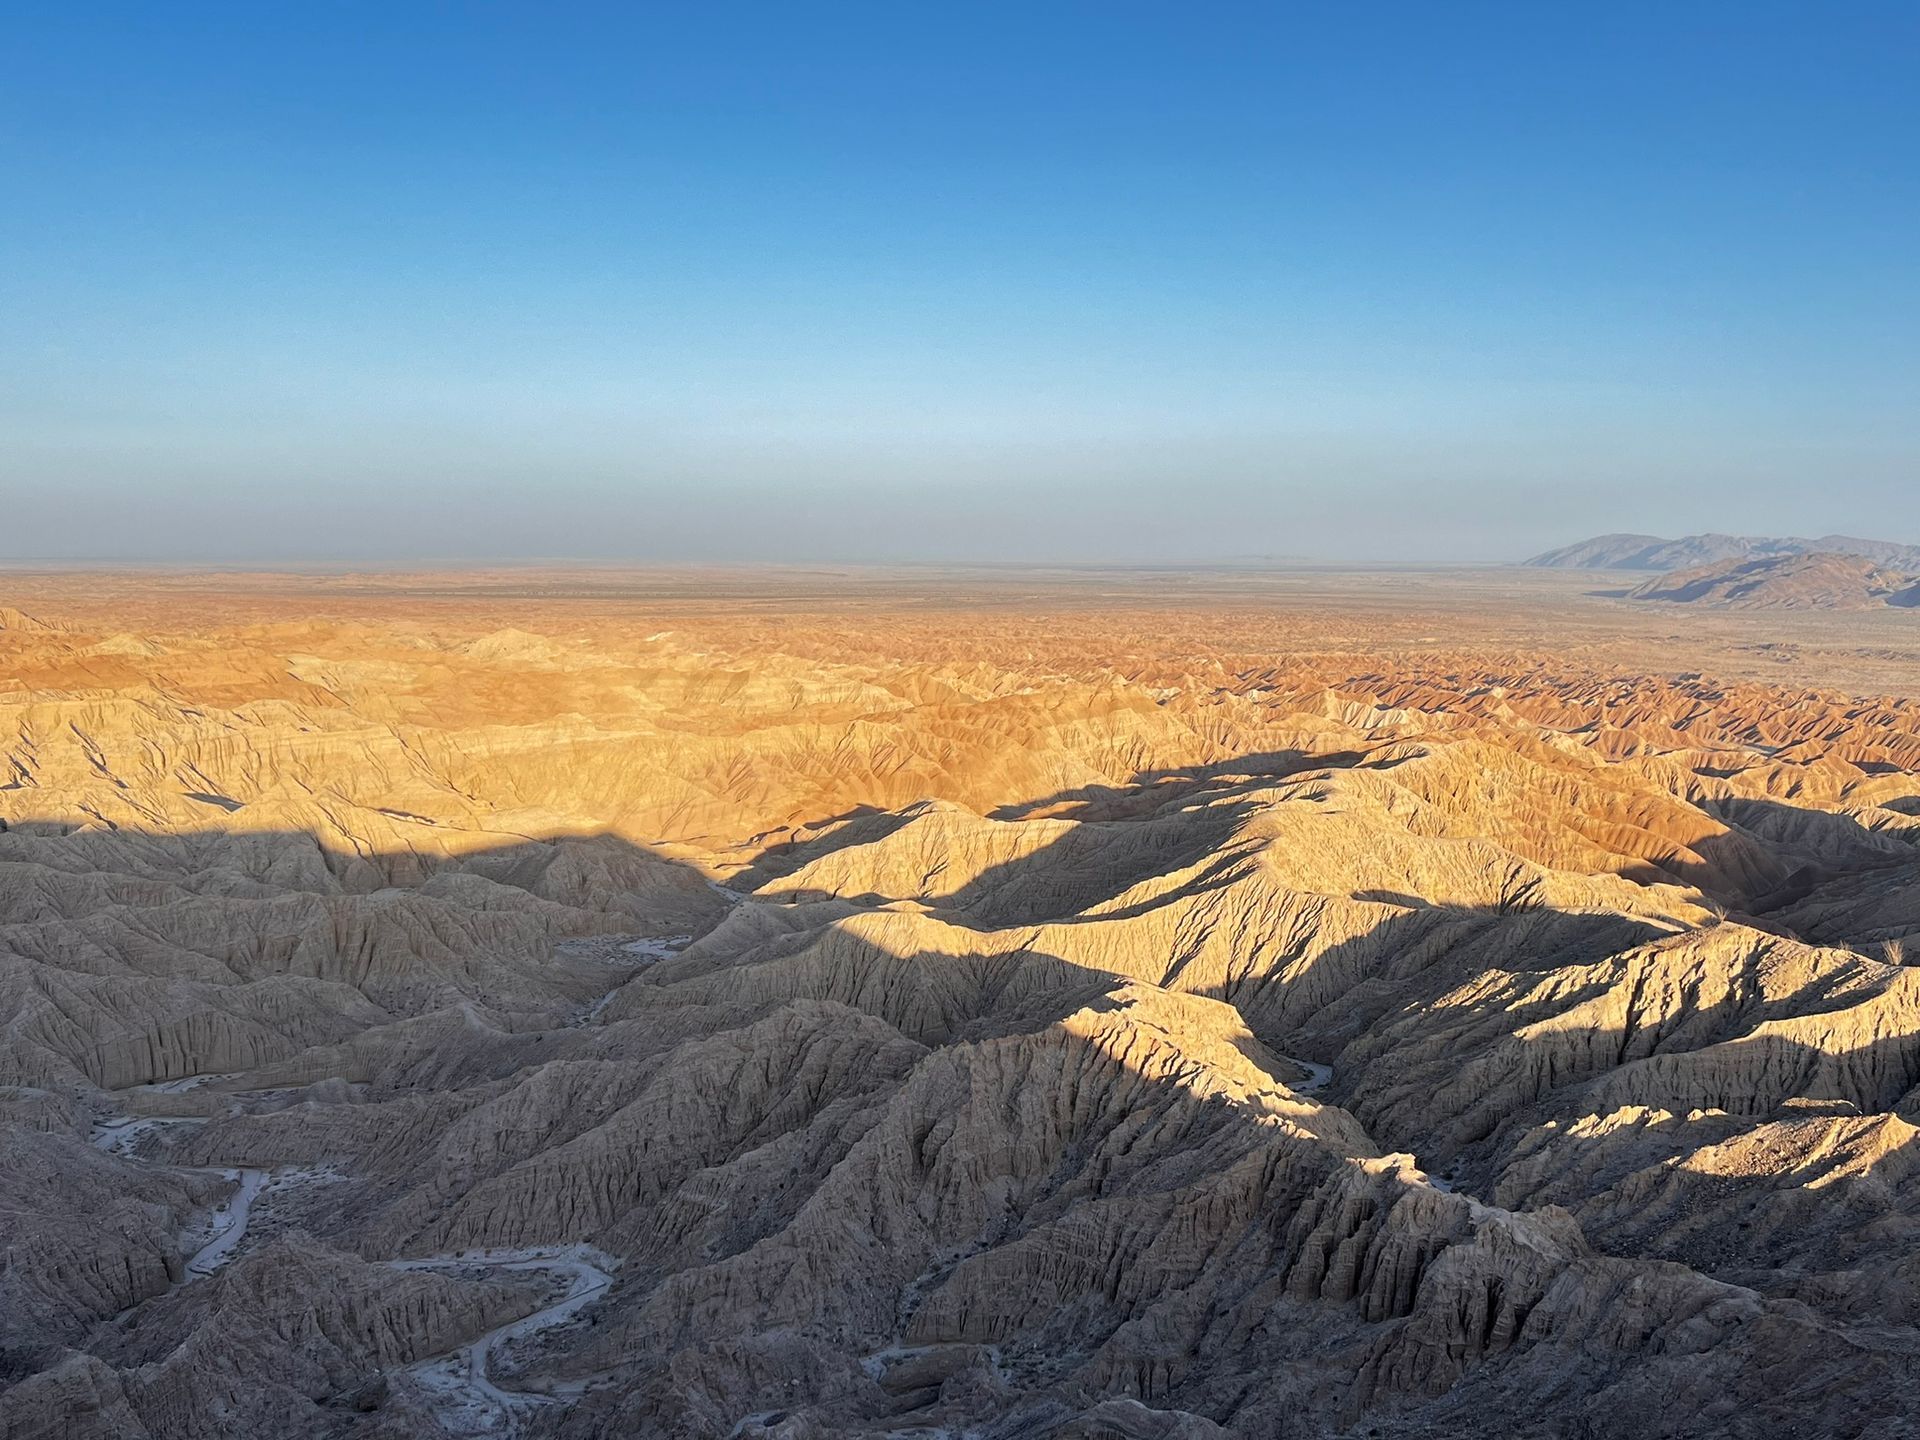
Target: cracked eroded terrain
column 437, row 1011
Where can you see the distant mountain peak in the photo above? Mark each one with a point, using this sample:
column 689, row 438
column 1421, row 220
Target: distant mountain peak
column 1651, row 552
column 1815, row 580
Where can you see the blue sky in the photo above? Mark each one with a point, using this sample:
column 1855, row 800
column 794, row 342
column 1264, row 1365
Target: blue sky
column 818, row 281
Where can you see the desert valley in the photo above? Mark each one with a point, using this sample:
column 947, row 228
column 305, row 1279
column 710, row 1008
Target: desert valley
column 991, row 1003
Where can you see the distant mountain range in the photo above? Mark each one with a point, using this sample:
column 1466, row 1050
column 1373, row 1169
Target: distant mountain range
column 1818, row 581
column 1651, row 552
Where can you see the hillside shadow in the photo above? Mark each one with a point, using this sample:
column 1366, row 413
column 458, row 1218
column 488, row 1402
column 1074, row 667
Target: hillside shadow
column 1316, row 1001
column 238, row 948
column 808, row 841
column 1043, row 1278
column 1151, row 790
column 1415, row 1036
column 1319, row 1003
column 1228, row 1243
column 1851, row 846
column 1081, row 869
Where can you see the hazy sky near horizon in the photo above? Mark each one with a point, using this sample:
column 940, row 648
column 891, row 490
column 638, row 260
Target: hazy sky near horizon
column 828, row 281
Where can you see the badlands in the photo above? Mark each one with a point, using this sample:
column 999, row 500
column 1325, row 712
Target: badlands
column 1000, row 1004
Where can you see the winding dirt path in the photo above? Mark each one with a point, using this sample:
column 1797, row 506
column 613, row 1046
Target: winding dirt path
column 1318, row 1076
column 460, row 1383
column 121, row 1136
